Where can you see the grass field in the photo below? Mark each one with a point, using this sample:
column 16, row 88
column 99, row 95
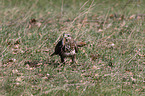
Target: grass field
column 111, row 64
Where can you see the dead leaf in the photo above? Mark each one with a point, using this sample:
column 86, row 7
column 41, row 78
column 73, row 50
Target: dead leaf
column 138, row 90
column 16, row 46
column 121, row 17
column 77, row 87
column 138, row 17
column 132, row 17
column 97, row 75
column 133, row 79
column 38, row 24
column 46, row 50
column 112, row 16
column 14, row 71
column 109, row 25
column 123, row 23
column 100, row 30
column 33, row 23
column 48, row 74
column 80, row 43
column 95, row 67
column 40, row 74
column 45, row 77
column 94, row 57
column 17, row 42
column 34, row 63
column 19, row 79
column 12, row 60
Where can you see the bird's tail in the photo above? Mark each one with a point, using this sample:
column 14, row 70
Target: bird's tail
column 53, row 54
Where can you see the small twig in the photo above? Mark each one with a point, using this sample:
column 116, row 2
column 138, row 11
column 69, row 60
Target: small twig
column 82, row 15
column 106, row 37
column 84, row 4
column 106, row 17
column 42, row 44
column 62, row 8
column 129, row 1
column 133, row 56
column 66, row 85
column 5, row 49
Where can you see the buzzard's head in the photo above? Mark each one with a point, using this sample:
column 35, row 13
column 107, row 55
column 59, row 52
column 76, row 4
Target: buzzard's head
column 67, row 36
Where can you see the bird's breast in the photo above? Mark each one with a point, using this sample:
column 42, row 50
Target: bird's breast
column 68, row 54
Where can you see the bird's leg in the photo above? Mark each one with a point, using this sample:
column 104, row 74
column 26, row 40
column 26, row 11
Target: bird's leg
column 73, row 59
column 62, row 59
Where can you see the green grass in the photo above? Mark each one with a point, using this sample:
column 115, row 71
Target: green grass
column 116, row 42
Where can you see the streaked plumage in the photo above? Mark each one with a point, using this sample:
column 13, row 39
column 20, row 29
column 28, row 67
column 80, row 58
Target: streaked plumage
column 66, row 47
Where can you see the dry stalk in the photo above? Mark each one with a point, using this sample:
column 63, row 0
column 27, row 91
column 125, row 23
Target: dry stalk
column 66, row 85
column 85, row 13
column 84, row 4
column 71, row 25
column 137, row 52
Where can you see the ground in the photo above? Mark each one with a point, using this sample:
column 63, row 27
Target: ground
column 112, row 63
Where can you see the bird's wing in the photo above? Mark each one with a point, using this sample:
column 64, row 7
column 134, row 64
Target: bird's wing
column 76, row 47
column 58, row 47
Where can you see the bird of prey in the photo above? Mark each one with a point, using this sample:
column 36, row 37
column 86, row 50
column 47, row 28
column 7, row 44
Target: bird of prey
column 66, row 47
